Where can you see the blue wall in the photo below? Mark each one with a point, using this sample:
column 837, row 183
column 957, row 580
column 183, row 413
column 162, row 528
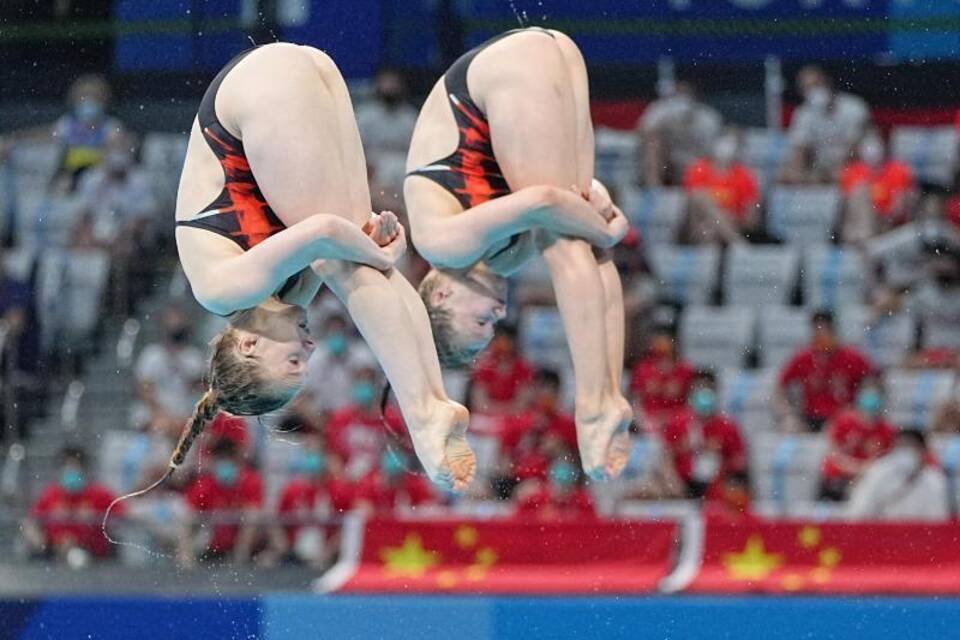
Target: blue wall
column 299, row 617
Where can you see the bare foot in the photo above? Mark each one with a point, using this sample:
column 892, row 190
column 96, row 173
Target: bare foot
column 604, row 441
column 440, row 440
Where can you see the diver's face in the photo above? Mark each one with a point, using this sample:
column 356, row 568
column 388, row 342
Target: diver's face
column 477, row 303
column 280, row 340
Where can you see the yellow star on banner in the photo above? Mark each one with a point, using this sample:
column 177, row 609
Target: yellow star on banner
column 829, row 557
column 820, row 575
column 808, row 537
column 409, row 559
column 753, row 563
column 446, row 579
column 465, row 536
column 486, row 557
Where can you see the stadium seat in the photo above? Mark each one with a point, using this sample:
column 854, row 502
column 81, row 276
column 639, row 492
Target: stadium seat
column 803, row 215
column 900, row 251
column 685, row 275
column 912, row 396
column 747, row 396
column 781, row 331
column 832, row 276
column 119, row 454
column 70, row 287
column 617, row 154
column 656, row 213
column 37, row 159
column 716, row 337
column 940, row 332
column 785, row 469
column 280, row 455
column 760, row 275
column 930, row 151
column 763, row 151
column 887, row 339
column 542, row 339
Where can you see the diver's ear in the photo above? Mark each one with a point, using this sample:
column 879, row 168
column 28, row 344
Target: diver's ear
column 248, row 344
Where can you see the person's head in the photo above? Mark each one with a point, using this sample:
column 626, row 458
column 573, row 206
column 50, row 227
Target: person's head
column 363, row 390
column 226, row 462
column 312, row 462
column 546, row 390
column 391, row 87
column 726, row 149
column 504, row 343
column 463, row 310
column 393, row 464
column 824, row 337
column 73, row 469
column 335, row 335
column 662, row 344
column 871, row 149
column 869, row 398
column 563, row 475
column 815, row 86
column 258, row 364
column 89, row 97
column 703, row 394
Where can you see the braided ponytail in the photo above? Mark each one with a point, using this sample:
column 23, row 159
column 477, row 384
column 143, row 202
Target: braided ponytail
column 205, row 411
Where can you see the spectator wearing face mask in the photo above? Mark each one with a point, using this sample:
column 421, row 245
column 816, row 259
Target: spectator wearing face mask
column 857, row 435
column 906, row 484
column 879, row 192
column 661, row 380
column 561, row 496
column 500, row 376
column 824, row 130
column 230, row 494
column 674, row 132
column 330, row 371
column 394, row 485
column 705, row 446
column 64, row 522
column 723, row 195
column 819, row 379
column 169, row 377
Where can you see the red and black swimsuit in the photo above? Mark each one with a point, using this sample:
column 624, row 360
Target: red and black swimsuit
column 240, row 212
column 471, row 173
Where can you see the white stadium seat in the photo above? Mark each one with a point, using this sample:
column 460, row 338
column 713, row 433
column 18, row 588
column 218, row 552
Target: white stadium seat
column 785, row 469
column 886, row 339
column 746, row 395
column 781, row 332
column 542, row 339
column 832, row 276
column 716, row 337
column 930, row 151
column 656, row 213
column 900, row 251
column 763, row 151
column 685, row 275
column 913, row 396
column 803, row 215
column 760, row 275
column 617, row 157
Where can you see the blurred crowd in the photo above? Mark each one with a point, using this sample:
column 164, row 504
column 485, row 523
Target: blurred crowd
column 275, row 490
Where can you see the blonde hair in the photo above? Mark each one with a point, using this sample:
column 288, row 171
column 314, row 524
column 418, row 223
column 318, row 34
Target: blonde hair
column 451, row 355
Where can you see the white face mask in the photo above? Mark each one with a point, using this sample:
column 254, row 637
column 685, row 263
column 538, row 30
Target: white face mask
column 725, row 150
column 871, row 151
column 818, row 98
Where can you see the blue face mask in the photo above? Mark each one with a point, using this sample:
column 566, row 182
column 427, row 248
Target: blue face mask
column 312, row 464
column 88, row 110
column 363, row 393
column 392, row 464
column 562, row 474
column 337, row 343
column 704, row 402
column 72, row 480
column 869, row 402
column 226, row 472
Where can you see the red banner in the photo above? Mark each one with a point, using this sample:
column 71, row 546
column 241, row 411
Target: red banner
column 507, row 556
column 848, row 558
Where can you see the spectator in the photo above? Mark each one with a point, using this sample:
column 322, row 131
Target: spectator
column 824, row 130
column 819, row 379
column 878, row 192
column 857, row 435
column 724, row 197
column 169, row 376
column 660, row 382
column 561, row 497
column 19, row 352
column 318, row 492
column 231, row 495
column 65, row 521
column 500, row 376
column 706, row 446
column 330, row 371
column 394, row 485
column 905, row 484
column 674, row 131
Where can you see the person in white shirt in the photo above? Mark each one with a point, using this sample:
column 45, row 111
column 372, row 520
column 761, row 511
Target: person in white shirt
column 674, row 131
column 824, row 130
column 903, row 485
column 330, row 371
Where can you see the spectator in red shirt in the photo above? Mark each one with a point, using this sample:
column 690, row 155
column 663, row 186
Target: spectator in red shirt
column 825, row 376
column 318, row 492
column 878, row 192
column 561, row 497
column 858, row 435
column 231, row 492
column 393, row 486
column 500, row 376
column 705, row 445
column 64, row 522
column 723, row 195
column 661, row 381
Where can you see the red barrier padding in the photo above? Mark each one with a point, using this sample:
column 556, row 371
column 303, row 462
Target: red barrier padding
column 509, row 556
column 778, row 557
